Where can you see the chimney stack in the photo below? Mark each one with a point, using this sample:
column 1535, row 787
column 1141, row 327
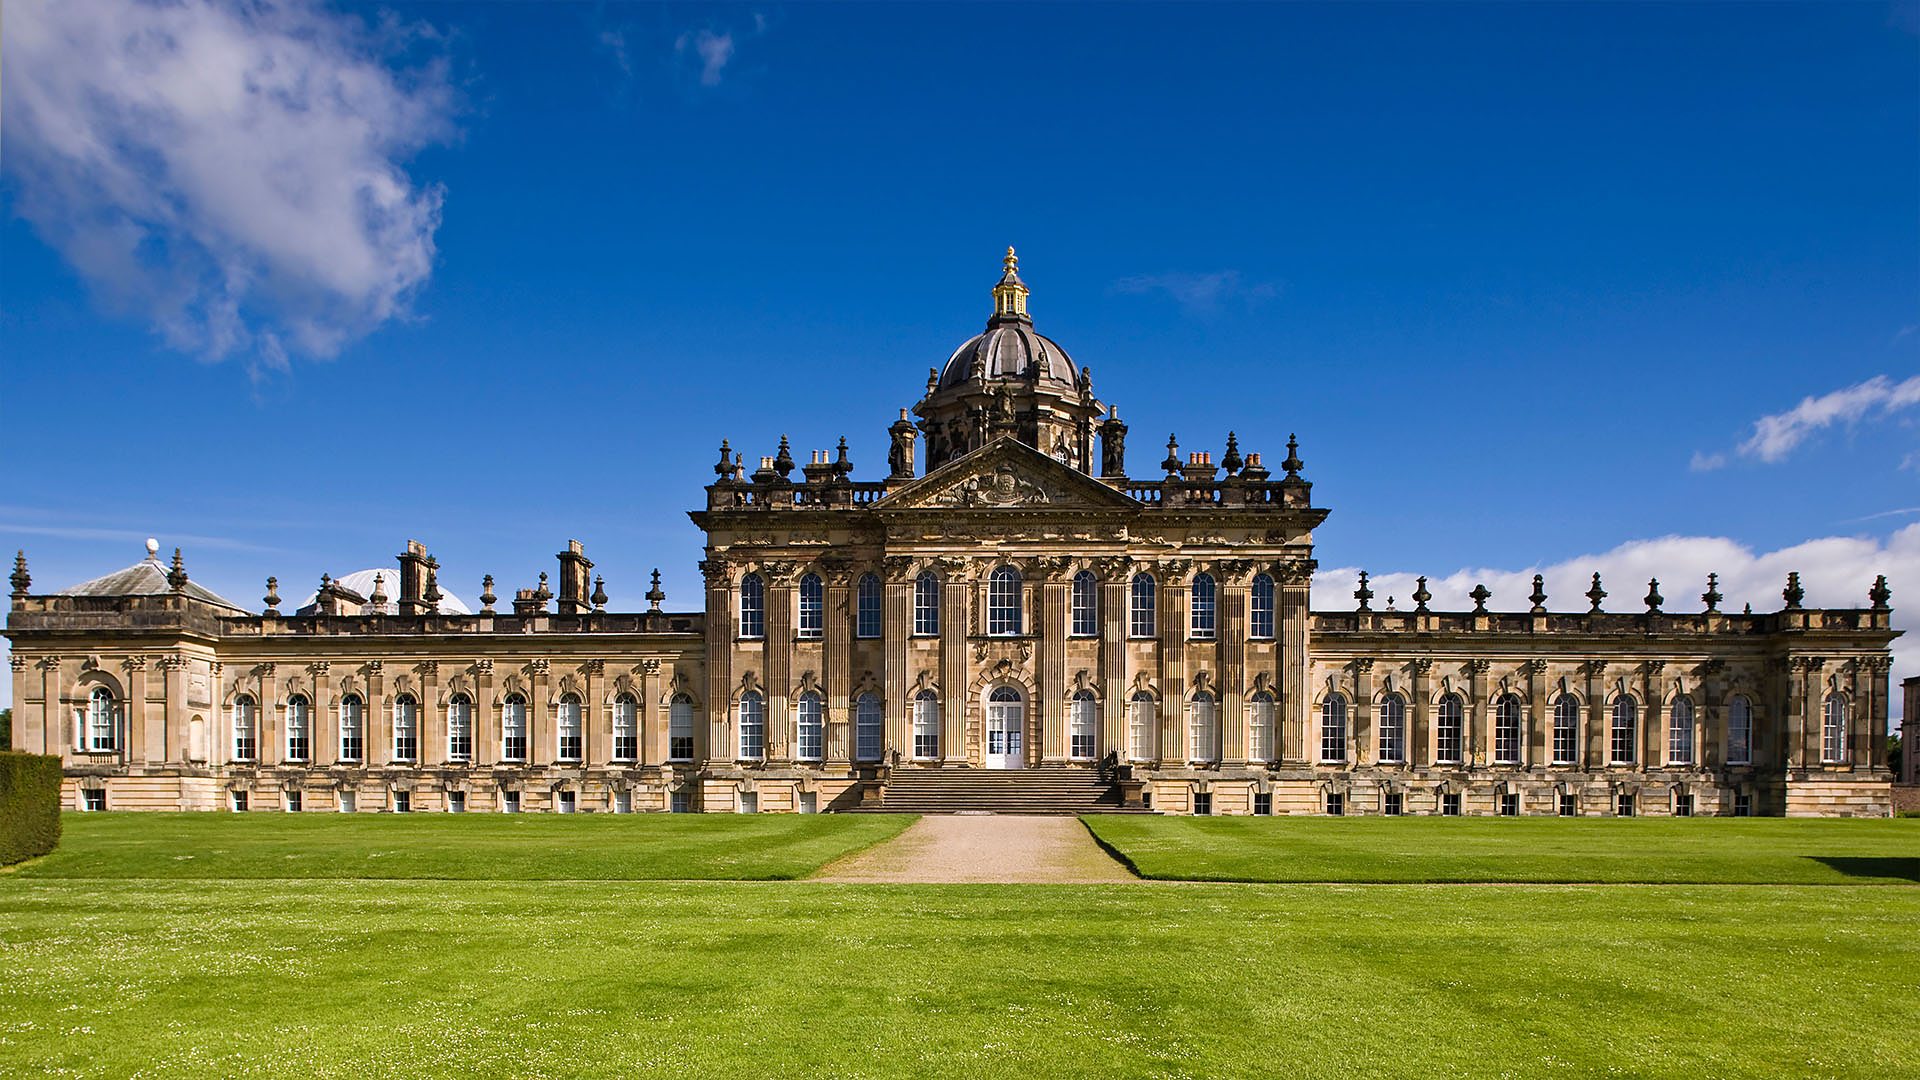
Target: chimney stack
column 413, row 579
column 574, row 584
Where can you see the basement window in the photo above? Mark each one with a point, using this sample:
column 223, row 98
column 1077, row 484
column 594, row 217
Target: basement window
column 293, row 802
column 1742, row 804
column 237, row 801
column 680, row 802
column 1203, row 803
column 93, row 798
column 1623, row 806
column 1569, row 804
column 569, row 802
column 509, row 802
column 1336, row 804
column 1263, row 803
column 456, row 802
column 1450, row 804
column 1510, row 804
column 403, row 802
column 1683, row 805
column 1394, row 804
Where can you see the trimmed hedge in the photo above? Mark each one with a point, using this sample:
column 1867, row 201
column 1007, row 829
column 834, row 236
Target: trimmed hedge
column 29, row 805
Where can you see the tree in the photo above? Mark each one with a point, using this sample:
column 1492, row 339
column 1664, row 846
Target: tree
column 6, row 729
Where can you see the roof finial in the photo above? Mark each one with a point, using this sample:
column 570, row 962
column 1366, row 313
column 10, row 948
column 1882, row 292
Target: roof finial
column 1011, row 262
column 153, row 548
column 177, row 577
column 1010, row 295
column 655, row 595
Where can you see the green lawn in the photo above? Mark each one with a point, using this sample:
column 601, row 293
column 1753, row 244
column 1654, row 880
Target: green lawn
column 368, row 978
column 1528, row 849
column 517, row 847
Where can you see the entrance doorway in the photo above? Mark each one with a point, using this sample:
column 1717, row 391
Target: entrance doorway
column 1006, row 730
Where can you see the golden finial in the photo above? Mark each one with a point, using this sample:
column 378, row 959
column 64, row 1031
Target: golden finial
column 1011, row 262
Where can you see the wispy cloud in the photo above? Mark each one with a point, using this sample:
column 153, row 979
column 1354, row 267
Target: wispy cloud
column 231, row 173
column 1199, row 294
column 133, row 537
column 1835, row 570
column 1777, row 435
column 710, row 50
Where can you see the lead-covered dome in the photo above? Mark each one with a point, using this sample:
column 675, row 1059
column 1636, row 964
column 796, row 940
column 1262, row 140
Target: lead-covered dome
column 1010, row 347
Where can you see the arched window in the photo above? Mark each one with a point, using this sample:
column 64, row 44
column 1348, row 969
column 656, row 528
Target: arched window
column 1003, row 601
column 406, row 728
column 1833, row 730
column 926, row 605
column 680, row 728
column 866, row 621
column 1203, row 727
column 568, row 728
column 1333, row 729
column 869, row 727
column 98, row 737
column 1260, row 608
column 753, row 606
column 299, row 728
column 1566, row 730
column 813, row 606
column 1083, row 721
column 246, row 729
column 1140, row 617
column 353, row 727
column 1626, row 721
column 1260, row 727
column 1203, row 607
column 1449, row 726
column 459, row 728
column 926, row 725
column 1393, row 728
column 813, row 728
column 1680, row 732
column 513, row 728
column 626, row 728
column 1085, row 620
column 753, row 726
column 1506, row 730
column 1739, row 732
column 1142, row 720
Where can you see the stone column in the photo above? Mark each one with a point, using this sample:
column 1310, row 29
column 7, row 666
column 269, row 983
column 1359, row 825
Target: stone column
column 1533, row 748
column 1052, row 689
column 1360, row 744
column 1595, row 753
column 325, row 735
column 779, row 662
column 1477, row 751
column 268, row 748
column 1174, row 596
column 1800, row 671
column 378, row 748
column 1420, row 748
column 1294, row 640
column 541, row 744
column 651, row 715
column 173, row 723
column 135, row 737
column 838, row 676
column 896, row 631
column 713, row 740
column 1230, row 619
column 486, row 716
column 1710, row 716
column 1113, row 657
column 596, row 716
column 433, row 717
column 955, row 610
column 1653, row 723
column 1909, row 730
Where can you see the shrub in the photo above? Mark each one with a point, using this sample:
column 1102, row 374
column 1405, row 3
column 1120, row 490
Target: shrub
column 29, row 805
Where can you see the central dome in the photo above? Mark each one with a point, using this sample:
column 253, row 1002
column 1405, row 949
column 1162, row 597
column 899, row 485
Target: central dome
column 1010, row 349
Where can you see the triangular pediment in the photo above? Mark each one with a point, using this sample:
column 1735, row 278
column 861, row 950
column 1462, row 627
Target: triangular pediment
column 1006, row 474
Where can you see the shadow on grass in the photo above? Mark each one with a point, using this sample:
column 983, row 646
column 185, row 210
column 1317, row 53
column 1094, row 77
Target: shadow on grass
column 1867, row 866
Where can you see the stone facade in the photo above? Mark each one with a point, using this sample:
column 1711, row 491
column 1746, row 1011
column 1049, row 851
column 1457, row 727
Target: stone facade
column 1022, row 602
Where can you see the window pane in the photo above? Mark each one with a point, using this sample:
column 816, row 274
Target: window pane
column 568, row 724
column 1203, row 735
column 1833, row 741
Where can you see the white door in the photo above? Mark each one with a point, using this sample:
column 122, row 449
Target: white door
column 1006, row 730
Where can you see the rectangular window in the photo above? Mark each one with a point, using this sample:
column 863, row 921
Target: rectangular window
column 1004, row 602
column 809, row 802
column 1140, row 618
column 1260, row 608
column 1566, row 730
column 1336, row 804
column 1623, row 806
column 749, row 802
column 352, row 729
column 1620, row 740
column 1260, row 728
column 569, row 730
column 456, row 802
column 1509, row 804
column 813, row 606
column 1394, row 804
column 1082, row 723
column 626, row 729
column 1203, row 803
column 459, row 729
column 812, row 728
column 1833, row 728
column 1447, row 728
column 1739, row 732
column 569, row 801
column 1393, row 729
column 926, row 726
column 1084, row 620
column 680, row 729
column 1569, row 804
column 406, row 730
column 1742, row 804
column 1140, row 727
column 509, row 802
column 680, row 802
column 1263, row 803
column 869, row 728
column 237, row 801
column 1683, row 805
column 1680, row 732
column 623, row 802
column 293, row 802
column 1450, row 804
column 299, row 730
column 93, row 798
column 403, row 802
column 349, row 802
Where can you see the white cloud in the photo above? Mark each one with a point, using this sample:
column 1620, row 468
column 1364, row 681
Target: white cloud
column 1836, row 571
column 1198, row 294
column 231, row 173
column 1777, row 435
column 713, row 51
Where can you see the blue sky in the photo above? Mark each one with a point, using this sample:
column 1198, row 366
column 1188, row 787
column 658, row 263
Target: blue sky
column 1620, row 287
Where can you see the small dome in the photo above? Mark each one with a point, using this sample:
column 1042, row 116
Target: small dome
column 1007, row 350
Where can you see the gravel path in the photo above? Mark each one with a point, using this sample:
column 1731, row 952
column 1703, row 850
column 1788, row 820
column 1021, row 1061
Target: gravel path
column 983, row 848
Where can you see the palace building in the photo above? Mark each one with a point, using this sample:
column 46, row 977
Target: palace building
column 1008, row 618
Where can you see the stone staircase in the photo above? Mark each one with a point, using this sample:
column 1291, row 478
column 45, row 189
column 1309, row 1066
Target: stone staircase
column 1009, row 791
